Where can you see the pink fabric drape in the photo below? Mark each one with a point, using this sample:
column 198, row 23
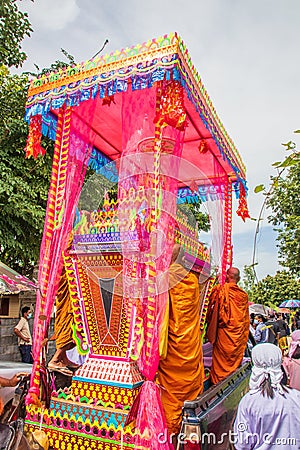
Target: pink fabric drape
column 219, row 208
column 71, row 154
column 147, row 210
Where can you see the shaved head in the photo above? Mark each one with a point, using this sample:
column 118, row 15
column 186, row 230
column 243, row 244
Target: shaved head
column 233, row 275
column 177, row 254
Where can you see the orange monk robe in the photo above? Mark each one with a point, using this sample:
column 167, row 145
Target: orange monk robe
column 64, row 318
column 232, row 330
column 181, row 373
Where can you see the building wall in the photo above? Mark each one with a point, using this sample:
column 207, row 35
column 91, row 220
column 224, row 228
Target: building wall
column 13, row 303
column 17, row 301
column 9, row 350
column 14, row 306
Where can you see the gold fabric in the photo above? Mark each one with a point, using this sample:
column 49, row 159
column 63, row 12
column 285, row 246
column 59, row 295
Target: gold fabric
column 232, row 329
column 64, row 318
column 283, row 343
column 40, row 437
column 181, row 373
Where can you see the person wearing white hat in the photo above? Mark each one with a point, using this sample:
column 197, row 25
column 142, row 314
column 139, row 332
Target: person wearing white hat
column 267, row 416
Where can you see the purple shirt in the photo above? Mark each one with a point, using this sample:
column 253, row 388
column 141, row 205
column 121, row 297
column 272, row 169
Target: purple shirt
column 261, row 333
column 268, row 424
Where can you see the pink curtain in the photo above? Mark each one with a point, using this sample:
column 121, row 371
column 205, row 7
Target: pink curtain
column 73, row 146
column 147, row 211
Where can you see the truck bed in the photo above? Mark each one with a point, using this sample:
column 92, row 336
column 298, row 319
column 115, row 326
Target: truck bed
column 209, row 417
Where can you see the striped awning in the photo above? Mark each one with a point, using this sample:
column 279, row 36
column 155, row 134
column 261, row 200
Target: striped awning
column 11, row 282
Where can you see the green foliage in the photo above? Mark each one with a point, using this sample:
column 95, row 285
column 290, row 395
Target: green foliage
column 283, row 199
column 24, row 183
column 195, row 215
column 14, row 26
column 289, row 145
column 259, row 188
column 273, row 290
column 285, row 217
column 94, row 188
column 58, row 64
column 248, row 281
column 291, row 160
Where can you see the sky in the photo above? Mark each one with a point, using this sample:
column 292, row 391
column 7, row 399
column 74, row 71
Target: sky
column 246, row 52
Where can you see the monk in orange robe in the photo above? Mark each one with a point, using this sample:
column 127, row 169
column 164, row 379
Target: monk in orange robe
column 228, row 316
column 63, row 331
column 181, row 372
column 63, row 326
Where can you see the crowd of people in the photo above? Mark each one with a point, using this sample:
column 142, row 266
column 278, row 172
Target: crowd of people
column 283, row 331
column 274, row 328
column 274, row 386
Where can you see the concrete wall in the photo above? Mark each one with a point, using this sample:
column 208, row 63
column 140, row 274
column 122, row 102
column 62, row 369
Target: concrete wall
column 9, row 350
column 27, row 298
